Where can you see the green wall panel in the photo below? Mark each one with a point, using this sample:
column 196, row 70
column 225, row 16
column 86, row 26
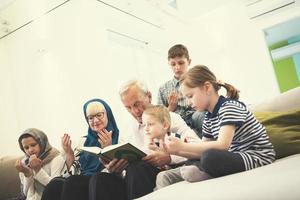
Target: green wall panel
column 286, row 74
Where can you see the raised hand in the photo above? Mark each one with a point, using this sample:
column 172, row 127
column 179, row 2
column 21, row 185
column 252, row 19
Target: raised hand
column 35, row 163
column 24, row 169
column 66, row 144
column 173, row 100
column 159, row 155
column 151, row 144
column 105, row 138
column 173, row 145
column 153, row 147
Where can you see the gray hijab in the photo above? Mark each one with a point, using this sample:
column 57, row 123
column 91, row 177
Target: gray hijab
column 47, row 152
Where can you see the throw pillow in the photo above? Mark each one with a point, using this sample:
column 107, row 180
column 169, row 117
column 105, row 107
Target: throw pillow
column 283, row 129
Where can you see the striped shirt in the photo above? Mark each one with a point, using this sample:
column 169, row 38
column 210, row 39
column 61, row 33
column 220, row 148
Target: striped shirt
column 250, row 138
column 183, row 108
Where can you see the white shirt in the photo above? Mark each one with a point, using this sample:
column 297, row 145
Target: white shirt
column 34, row 191
column 178, row 125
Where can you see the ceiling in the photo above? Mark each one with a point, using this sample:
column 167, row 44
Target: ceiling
column 13, row 13
column 5, row 3
column 188, row 8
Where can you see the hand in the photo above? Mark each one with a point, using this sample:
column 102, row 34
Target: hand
column 173, row 145
column 172, row 101
column 21, row 168
column 35, row 163
column 154, row 147
column 116, row 166
column 66, row 144
column 105, row 138
column 151, row 144
column 159, row 156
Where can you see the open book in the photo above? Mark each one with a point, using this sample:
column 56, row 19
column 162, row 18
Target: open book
column 119, row 151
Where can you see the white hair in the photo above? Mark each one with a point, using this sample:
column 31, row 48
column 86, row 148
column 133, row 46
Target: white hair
column 133, row 82
column 96, row 103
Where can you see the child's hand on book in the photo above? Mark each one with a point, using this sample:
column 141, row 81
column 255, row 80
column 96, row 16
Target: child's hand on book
column 105, row 138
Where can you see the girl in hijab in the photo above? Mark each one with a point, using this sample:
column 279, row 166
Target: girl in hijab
column 86, row 178
column 41, row 163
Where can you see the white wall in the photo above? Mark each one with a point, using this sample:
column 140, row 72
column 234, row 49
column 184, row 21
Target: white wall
column 234, row 47
column 49, row 68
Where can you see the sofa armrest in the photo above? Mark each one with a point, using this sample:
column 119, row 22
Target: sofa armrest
column 10, row 181
column 286, row 101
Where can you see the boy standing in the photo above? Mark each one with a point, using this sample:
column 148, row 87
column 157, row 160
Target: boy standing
column 169, row 94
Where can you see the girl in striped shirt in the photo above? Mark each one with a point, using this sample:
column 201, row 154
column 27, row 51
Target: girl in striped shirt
column 233, row 140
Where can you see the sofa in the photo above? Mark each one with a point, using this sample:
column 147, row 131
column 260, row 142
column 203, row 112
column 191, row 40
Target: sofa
column 10, row 182
column 279, row 180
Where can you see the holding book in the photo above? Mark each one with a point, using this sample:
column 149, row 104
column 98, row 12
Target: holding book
column 87, row 180
column 117, row 151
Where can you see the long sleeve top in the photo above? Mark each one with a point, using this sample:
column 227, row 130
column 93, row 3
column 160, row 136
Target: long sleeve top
column 34, row 185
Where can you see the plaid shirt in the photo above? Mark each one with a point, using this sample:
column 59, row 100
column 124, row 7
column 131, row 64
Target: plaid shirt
column 183, row 109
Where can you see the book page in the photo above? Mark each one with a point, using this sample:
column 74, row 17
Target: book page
column 113, row 146
column 126, row 151
column 94, row 150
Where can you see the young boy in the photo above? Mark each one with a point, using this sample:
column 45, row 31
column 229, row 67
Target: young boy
column 169, row 94
column 157, row 124
column 157, row 127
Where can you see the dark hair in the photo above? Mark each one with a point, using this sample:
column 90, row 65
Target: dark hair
column 200, row 74
column 178, row 50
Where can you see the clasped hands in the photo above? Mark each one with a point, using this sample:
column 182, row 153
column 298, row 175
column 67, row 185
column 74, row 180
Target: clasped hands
column 34, row 164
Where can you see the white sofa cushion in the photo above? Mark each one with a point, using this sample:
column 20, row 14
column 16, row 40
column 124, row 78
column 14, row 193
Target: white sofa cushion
column 277, row 181
column 286, row 101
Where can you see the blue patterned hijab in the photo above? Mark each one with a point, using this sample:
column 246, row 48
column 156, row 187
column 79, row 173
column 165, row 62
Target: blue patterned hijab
column 90, row 164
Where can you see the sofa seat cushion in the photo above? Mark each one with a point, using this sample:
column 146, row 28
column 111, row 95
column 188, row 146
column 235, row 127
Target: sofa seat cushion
column 279, row 180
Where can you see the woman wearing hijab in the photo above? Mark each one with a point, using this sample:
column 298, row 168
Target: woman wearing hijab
column 41, row 163
column 86, row 178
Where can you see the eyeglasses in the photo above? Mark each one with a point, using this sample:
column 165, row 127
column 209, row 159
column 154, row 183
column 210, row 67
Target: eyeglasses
column 99, row 116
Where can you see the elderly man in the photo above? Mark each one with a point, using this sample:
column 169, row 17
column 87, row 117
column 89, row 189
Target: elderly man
column 140, row 176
